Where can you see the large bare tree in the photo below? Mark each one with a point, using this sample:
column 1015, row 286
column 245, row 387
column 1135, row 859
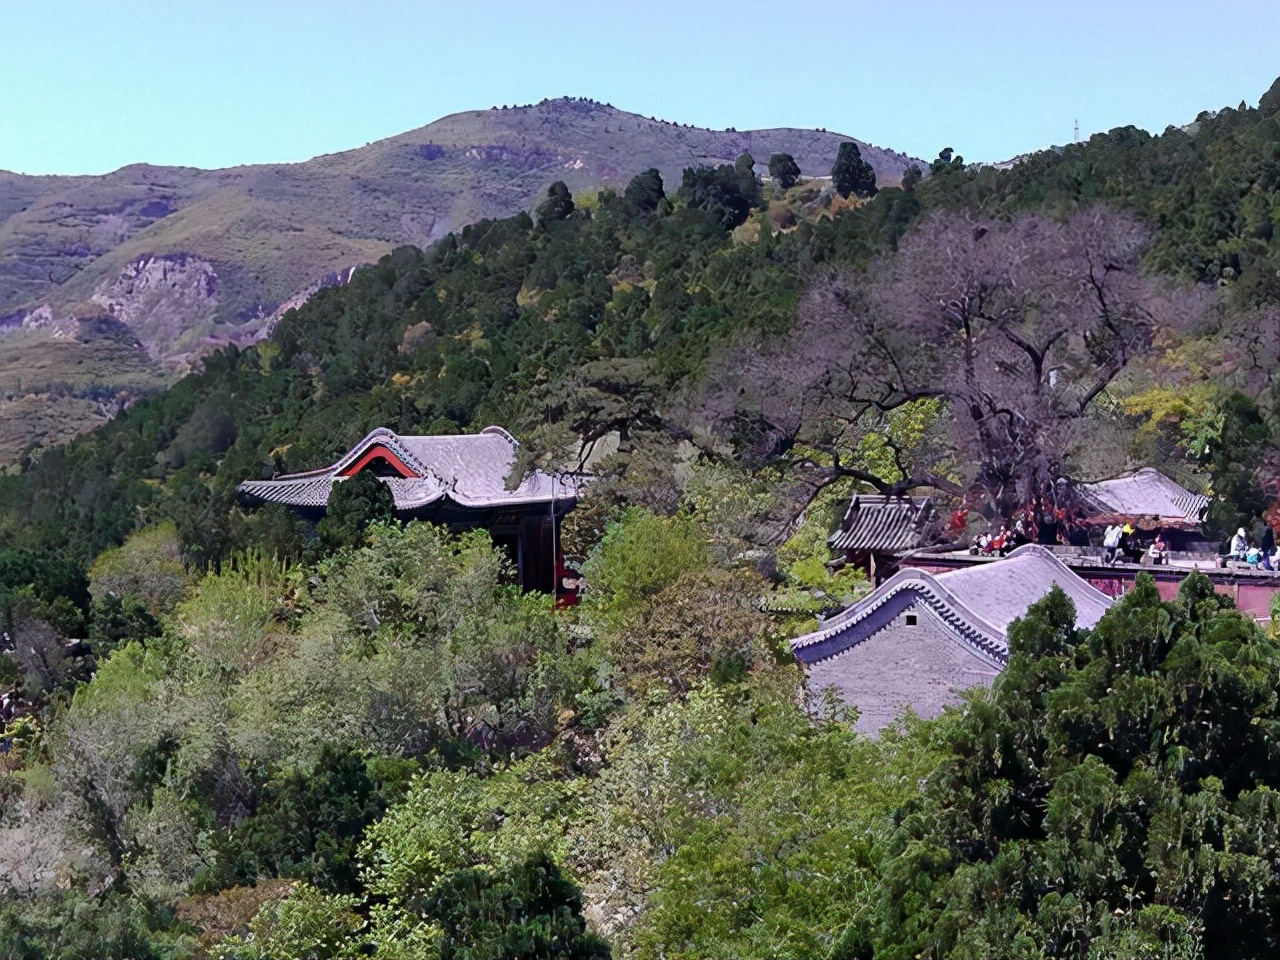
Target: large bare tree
column 1016, row 327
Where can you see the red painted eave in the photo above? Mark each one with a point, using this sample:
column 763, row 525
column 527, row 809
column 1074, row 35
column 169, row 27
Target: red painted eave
column 374, row 452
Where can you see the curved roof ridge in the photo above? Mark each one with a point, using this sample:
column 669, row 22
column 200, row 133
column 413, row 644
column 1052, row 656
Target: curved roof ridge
column 1004, row 589
column 388, row 438
column 469, row 469
column 976, row 631
column 1117, row 494
column 1039, row 550
column 494, row 430
column 978, row 602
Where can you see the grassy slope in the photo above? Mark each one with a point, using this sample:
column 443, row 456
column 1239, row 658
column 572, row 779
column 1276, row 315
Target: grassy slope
column 43, row 420
column 52, row 378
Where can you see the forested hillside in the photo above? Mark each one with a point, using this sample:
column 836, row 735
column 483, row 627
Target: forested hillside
column 185, row 259
column 228, row 735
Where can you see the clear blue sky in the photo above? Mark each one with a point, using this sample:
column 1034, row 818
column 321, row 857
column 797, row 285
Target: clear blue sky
column 90, row 85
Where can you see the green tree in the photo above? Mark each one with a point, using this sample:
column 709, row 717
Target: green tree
column 529, row 911
column 353, row 505
column 116, row 619
column 910, row 178
column 644, row 194
column 307, row 925
column 851, row 174
column 557, row 206
column 18, row 939
column 309, row 823
column 639, row 556
column 202, row 516
column 728, row 192
column 1114, row 793
column 947, row 160
column 147, row 566
column 273, row 530
column 784, row 169
column 1229, row 436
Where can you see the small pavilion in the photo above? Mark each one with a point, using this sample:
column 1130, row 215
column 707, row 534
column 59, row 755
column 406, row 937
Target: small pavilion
column 1151, row 503
column 877, row 529
column 459, row 481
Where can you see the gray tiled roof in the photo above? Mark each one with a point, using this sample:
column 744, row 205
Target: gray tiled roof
column 297, row 492
column 890, row 524
column 471, row 470
column 977, row 602
column 1146, row 492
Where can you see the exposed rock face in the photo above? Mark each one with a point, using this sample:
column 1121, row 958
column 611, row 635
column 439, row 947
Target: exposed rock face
column 161, row 298
column 91, row 326
column 38, row 318
column 334, row 278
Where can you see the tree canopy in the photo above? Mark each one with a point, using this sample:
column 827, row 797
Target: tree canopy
column 1017, row 327
column 1116, row 795
column 851, row 174
column 784, row 169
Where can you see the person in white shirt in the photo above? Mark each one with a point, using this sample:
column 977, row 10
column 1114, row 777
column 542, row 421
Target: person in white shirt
column 1239, row 545
column 1111, row 542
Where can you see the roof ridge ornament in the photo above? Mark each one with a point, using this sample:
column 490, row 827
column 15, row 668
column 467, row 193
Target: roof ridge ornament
column 494, row 430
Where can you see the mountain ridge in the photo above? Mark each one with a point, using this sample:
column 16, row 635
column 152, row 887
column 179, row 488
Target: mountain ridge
column 192, row 259
column 63, row 236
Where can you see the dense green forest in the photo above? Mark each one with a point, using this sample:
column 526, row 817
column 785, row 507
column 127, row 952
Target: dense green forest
column 228, row 735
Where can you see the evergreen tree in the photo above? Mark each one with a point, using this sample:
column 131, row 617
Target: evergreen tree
column 557, row 206
column 784, row 169
column 947, row 160
column 728, row 192
column 528, row 912
column 644, row 194
column 1115, row 796
column 353, row 505
column 910, row 177
column 851, row 174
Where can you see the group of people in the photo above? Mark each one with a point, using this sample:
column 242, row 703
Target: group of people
column 996, row 543
column 1263, row 556
column 1043, row 522
column 1116, row 539
column 1121, row 538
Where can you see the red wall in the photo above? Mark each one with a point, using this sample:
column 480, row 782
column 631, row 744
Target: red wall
column 1251, row 598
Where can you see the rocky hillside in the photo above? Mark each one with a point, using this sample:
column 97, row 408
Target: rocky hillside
column 189, row 259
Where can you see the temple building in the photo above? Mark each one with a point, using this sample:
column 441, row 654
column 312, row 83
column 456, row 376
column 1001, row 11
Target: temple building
column 876, row 530
column 919, row 639
column 1151, row 503
column 457, row 481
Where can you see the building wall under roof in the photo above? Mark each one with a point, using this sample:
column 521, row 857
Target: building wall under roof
column 924, row 666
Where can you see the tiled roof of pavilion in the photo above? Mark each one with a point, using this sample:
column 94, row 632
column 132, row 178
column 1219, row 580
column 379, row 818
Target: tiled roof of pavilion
column 977, row 602
column 467, row 469
column 1145, row 493
column 889, row 524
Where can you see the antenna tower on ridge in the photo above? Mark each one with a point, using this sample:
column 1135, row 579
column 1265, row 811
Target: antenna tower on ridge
column 1077, row 131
